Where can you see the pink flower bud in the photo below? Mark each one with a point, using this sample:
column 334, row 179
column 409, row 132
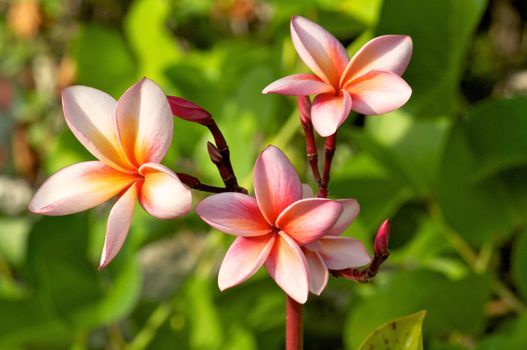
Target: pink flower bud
column 188, row 111
column 304, row 109
column 382, row 239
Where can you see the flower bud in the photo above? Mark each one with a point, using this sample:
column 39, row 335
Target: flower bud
column 304, row 109
column 382, row 239
column 189, row 111
column 214, row 153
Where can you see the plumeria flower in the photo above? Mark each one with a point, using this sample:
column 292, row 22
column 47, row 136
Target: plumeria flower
column 369, row 83
column 332, row 252
column 129, row 138
column 272, row 228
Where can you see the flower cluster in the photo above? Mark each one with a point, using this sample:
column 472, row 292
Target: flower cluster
column 283, row 227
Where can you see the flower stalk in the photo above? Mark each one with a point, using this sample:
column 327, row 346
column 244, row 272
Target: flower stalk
column 219, row 153
column 381, row 253
column 304, row 109
column 294, row 325
column 330, row 146
column 194, row 183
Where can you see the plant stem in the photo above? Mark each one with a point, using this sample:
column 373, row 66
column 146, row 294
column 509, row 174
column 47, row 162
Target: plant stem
column 293, row 324
column 224, row 165
column 194, row 183
column 155, row 321
column 304, row 109
column 329, row 151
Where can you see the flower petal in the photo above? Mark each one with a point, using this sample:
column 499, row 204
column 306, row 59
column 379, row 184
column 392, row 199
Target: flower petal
column 329, row 112
column 309, row 219
column 276, row 183
column 78, row 187
column 245, row 256
column 378, row 92
column 342, row 252
column 163, row 195
column 287, row 265
column 350, row 210
column 118, row 225
column 145, row 122
column 319, row 50
column 390, row 53
column 233, row 213
column 298, row 85
column 90, row 115
column 318, row 272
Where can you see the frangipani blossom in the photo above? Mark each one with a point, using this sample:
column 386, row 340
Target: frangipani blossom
column 332, row 252
column 129, row 138
column 273, row 227
column 369, row 83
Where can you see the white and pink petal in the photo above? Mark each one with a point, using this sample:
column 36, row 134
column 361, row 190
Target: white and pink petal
column 378, row 92
column 78, row 187
column 330, row 111
column 389, row 53
column 145, row 122
column 318, row 272
column 350, row 210
column 244, row 257
column 319, row 50
column 90, row 115
column 233, row 213
column 299, row 85
column 119, row 222
column 162, row 194
column 343, row 252
column 276, row 183
column 287, row 265
column 309, row 219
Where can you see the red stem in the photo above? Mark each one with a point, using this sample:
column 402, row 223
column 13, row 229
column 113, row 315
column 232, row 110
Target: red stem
column 194, row 183
column 224, row 165
column 293, row 324
column 304, row 109
column 329, row 151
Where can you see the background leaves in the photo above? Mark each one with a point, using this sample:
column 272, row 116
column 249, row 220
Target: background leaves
column 448, row 169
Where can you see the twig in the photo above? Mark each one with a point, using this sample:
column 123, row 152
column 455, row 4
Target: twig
column 304, row 109
column 329, row 151
column 194, row 183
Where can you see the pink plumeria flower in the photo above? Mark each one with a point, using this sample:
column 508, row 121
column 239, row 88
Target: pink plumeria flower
column 369, row 83
column 129, row 137
column 332, row 252
column 273, row 227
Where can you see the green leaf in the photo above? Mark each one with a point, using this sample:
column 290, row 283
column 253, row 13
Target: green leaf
column 496, row 132
column 13, row 238
column 206, row 330
column 484, row 208
column 412, row 147
column 410, row 291
column 519, row 263
column 511, row 338
column 79, row 296
column 402, row 334
column 441, row 31
column 103, row 60
column 146, row 29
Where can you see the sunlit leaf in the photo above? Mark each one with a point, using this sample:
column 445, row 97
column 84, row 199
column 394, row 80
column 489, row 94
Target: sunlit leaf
column 402, row 334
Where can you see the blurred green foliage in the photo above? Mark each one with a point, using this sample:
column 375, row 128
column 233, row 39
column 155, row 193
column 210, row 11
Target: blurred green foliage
column 449, row 169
